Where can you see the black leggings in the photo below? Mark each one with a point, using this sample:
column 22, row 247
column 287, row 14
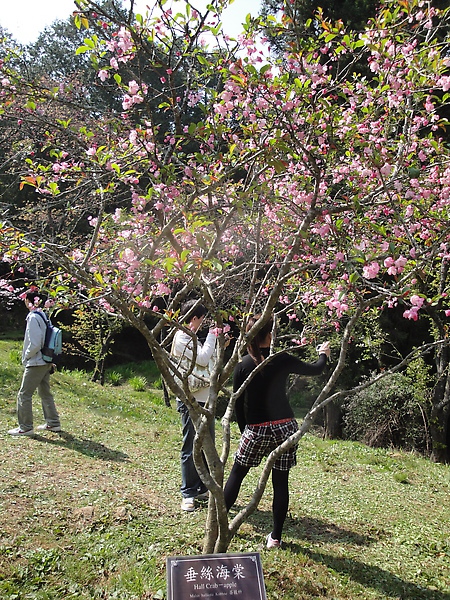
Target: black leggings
column 280, row 483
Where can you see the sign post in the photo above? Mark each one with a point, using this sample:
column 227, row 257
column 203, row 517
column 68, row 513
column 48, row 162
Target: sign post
column 235, row 576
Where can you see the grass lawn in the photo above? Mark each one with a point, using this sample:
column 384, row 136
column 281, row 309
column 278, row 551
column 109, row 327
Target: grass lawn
column 94, row 512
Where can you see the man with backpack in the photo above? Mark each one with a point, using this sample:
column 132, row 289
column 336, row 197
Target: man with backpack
column 36, row 375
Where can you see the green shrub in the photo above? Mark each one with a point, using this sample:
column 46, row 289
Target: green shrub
column 15, row 356
column 385, row 414
column 157, row 384
column 114, row 378
column 79, row 374
column 138, row 383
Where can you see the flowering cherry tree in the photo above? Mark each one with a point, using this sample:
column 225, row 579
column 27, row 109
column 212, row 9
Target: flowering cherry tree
column 260, row 184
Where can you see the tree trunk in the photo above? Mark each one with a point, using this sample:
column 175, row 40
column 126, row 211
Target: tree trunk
column 440, row 414
column 440, row 398
column 333, row 423
column 166, row 393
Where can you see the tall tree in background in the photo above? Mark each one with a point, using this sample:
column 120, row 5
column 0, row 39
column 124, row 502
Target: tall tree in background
column 354, row 15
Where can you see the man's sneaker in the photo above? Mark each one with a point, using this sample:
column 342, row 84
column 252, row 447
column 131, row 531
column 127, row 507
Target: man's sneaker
column 17, row 431
column 46, row 427
column 188, row 504
column 271, row 543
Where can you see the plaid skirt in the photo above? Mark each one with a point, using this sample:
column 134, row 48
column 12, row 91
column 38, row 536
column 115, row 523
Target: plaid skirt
column 259, row 440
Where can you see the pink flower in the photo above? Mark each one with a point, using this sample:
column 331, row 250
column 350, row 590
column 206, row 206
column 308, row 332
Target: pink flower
column 103, row 74
column 417, row 301
column 411, row 314
column 386, row 169
column 220, row 109
column 371, row 271
column 400, row 263
column 445, row 82
column 447, row 313
column 133, row 87
column 127, row 102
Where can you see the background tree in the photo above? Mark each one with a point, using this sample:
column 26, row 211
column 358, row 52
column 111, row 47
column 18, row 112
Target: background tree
column 354, row 15
column 92, row 337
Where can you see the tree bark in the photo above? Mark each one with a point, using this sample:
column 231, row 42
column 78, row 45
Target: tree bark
column 333, row 422
column 440, row 413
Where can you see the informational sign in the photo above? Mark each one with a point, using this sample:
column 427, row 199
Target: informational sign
column 235, row 576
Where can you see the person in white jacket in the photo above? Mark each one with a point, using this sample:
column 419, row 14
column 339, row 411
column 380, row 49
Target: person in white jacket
column 36, row 375
column 193, row 315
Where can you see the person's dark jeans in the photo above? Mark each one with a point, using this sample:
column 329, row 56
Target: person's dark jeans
column 191, row 484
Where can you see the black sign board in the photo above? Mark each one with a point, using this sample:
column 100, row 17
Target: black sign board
column 235, row 576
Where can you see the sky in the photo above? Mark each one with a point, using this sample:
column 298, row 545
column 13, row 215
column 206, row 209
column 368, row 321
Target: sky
column 25, row 19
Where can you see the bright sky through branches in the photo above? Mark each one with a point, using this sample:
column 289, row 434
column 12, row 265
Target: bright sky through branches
column 25, row 19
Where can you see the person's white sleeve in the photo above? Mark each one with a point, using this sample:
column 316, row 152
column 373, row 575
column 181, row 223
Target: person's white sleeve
column 34, row 340
column 184, row 344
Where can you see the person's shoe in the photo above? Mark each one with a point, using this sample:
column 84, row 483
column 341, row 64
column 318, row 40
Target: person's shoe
column 17, row 431
column 203, row 496
column 271, row 543
column 188, row 504
column 46, row 427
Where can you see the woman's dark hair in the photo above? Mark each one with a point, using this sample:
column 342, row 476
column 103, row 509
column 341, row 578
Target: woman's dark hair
column 31, row 297
column 254, row 348
column 188, row 311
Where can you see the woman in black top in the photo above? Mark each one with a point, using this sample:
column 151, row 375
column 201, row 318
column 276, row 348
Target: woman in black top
column 266, row 420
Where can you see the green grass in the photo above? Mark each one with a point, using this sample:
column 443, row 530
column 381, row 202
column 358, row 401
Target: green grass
column 92, row 513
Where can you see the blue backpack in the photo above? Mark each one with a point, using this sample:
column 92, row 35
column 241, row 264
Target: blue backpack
column 53, row 339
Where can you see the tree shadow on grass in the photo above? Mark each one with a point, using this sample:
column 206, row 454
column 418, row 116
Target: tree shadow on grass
column 370, row 576
column 84, row 446
column 314, row 530
column 318, row 531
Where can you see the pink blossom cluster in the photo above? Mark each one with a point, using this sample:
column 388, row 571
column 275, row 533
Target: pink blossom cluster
column 416, row 305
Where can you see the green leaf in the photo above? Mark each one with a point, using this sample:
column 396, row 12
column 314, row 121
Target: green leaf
column 217, row 264
column 82, row 50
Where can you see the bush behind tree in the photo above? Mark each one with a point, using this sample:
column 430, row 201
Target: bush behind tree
column 391, row 412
